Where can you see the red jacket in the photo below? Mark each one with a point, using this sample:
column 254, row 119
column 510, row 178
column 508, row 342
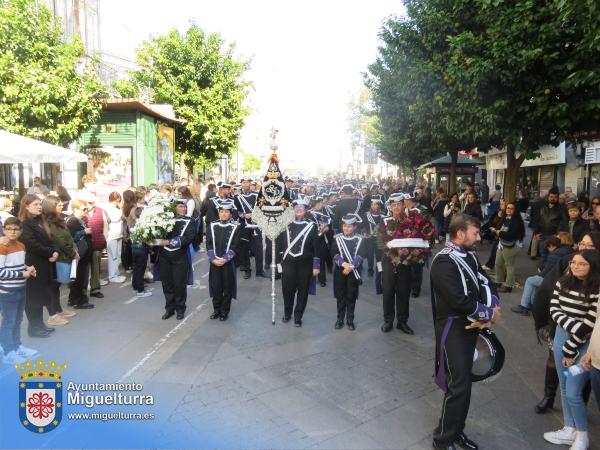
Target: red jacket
column 96, row 223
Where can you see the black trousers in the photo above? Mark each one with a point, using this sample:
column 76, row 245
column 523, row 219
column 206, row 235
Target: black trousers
column 126, row 255
column 417, row 278
column 345, row 289
column 174, row 270
column 458, row 357
column 78, row 287
column 396, row 291
column 221, row 285
column 294, row 282
column 251, row 245
column 140, row 261
column 53, row 306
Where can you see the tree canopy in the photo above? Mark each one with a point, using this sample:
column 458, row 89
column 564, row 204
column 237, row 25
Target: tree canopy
column 42, row 94
column 200, row 77
column 514, row 74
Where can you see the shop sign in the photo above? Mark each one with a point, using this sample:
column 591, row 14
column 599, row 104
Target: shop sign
column 549, row 156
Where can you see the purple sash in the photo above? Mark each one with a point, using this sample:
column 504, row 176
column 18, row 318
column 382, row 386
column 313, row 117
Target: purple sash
column 439, row 377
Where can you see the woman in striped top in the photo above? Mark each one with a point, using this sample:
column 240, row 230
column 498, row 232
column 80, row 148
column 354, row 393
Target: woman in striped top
column 573, row 309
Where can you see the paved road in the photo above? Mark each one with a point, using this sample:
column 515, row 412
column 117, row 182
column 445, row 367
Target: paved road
column 254, row 385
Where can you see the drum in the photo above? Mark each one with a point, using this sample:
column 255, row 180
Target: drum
column 488, row 358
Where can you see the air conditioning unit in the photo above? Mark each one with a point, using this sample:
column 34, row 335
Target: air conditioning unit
column 592, row 155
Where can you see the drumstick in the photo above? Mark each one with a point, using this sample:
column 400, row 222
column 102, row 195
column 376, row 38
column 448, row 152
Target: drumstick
column 473, row 325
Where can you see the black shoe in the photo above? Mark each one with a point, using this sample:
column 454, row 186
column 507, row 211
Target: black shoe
column 387, row 327
column 97, row 294
column 286, row 319
column 223, row 317
column 339, row 325
column 247, row 274
column 371, row 273
column 278, row 276
column 298, row 322
column 351, row 326
column 167, row 315
column 48, row 329
column 403, row 326
column 179, row 316
column 38, row 333
column 504, row 289
column 543, row 406
column 215, row 315
column 322, row 283
column 84, row 306
column 464, row 442
column 518, row 309
column 415, row 294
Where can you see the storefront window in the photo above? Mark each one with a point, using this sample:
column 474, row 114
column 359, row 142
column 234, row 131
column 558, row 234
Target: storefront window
column 595, row 180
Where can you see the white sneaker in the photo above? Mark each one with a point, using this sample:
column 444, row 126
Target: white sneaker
column 103, row 282
column 13, row 357
column 118, row 279
column 143, row 294
column 564, row 436
column 582, row 441
column 26, row 352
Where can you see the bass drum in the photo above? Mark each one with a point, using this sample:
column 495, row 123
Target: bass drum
column 488, row 358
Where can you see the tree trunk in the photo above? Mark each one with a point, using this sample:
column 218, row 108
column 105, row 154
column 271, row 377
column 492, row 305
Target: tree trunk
column 513, row 164
column 452, row 180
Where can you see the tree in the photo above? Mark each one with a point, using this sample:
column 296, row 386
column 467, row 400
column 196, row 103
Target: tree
column 252, row 163
column 42, row 95
column 203, row 81
column 516, row 74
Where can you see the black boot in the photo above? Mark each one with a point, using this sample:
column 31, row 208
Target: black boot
column 550, row 386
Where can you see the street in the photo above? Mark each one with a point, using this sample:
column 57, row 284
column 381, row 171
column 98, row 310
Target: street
column 255, row 385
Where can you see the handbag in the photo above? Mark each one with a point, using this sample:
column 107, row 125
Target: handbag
column 63, row 272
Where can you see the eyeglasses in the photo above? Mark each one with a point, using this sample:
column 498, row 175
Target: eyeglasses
column 595, row 203
column 579, row 264
column 12, row 229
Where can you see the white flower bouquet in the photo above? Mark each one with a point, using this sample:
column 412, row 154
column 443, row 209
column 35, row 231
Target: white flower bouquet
column 155, row 222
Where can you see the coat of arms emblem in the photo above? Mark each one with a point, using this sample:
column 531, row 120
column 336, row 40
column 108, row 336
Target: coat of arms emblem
column 40, row 395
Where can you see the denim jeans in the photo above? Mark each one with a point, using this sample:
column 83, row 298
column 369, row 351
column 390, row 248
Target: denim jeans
column 573, row 406
column 12, row 306
column 595, row 379
column 529, row 290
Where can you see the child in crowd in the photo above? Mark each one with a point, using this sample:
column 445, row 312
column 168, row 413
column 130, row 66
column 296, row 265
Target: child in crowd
column 13, row 273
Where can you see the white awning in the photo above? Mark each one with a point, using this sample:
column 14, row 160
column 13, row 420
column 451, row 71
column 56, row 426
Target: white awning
column 15, row 149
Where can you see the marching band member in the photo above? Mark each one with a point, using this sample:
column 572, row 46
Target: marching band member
column 222, row 243
column 174, row 262
column 299, row 263
column 371, row 223
column 324, row 235
column 461, row 294
column 251, row 236
column 397, row 260
column 348, row 251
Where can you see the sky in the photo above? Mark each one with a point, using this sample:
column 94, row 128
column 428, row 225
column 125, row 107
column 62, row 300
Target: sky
column 307, row 60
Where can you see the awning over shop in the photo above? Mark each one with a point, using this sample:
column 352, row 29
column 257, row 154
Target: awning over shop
column 15, row 149
column 447, row 160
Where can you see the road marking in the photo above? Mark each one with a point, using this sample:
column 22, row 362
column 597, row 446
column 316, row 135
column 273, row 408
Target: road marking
column 162, row 341
column 134, row 298
column 205, row 275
